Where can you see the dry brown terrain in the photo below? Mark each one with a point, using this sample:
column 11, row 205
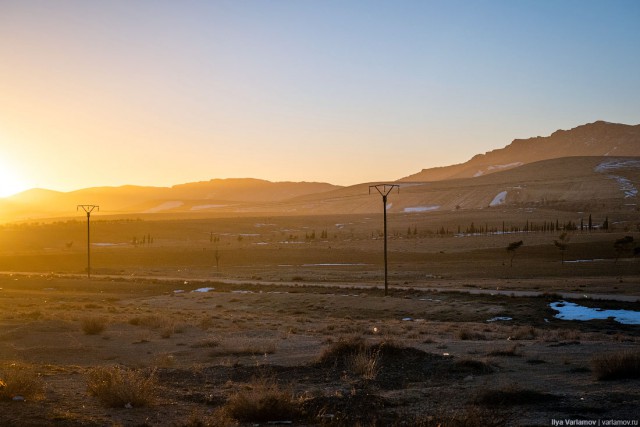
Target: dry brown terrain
column 297, row 314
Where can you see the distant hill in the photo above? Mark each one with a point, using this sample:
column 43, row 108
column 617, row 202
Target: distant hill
column 594, row 163
column 192, row 197
column 593, row 139
column 574, row 182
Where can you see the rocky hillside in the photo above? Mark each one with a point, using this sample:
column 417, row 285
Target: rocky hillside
column 593, row 139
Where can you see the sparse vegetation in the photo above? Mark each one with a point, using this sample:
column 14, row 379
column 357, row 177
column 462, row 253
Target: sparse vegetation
column 118, row 387
column 263, row 400
column 618, row 365
column 93, row 325
column 20, row 381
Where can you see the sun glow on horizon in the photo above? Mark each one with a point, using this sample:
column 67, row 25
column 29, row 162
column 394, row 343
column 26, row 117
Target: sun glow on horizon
column 10, row 181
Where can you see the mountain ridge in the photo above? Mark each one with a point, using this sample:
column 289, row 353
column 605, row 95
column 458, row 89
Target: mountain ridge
column 599, row 138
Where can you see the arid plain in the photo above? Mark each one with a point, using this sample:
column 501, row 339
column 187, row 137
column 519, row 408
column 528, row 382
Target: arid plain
column 204, row 320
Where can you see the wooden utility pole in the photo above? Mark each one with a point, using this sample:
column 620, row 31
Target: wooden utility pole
column 88, row 209
column 384, row 190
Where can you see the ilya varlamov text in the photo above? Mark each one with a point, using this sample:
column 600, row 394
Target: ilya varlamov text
column 568, row 422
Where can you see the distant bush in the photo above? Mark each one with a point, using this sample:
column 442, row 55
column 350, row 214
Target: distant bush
column 93, row 325
column 620, row 365
column 118, row 387
column 17, row 380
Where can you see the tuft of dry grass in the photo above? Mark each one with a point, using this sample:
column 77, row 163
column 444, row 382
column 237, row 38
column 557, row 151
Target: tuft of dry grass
column 507, row 352
column 119, row 387
column 619, row 365
column 263, row 401
column 365, row 363
column 93, row 325
column 20, row 380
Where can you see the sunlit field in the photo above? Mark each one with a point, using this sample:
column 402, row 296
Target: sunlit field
column 238, row 321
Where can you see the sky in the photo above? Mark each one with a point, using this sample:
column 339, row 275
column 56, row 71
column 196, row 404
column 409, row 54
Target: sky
column 155, row 92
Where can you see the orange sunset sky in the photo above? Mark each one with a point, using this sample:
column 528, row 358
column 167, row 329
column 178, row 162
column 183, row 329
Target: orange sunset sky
column 145, row 92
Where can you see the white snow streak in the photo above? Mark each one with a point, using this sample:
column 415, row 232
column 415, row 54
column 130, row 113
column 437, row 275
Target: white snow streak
column 422, row 208
column 499, row 199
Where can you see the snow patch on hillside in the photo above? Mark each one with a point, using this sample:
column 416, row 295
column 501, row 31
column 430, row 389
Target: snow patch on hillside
column 165, row 207
column 201, row 207
column 617, row 164
column 626, row 186
column 499, row 199
column 422, row 208
column 508, row 165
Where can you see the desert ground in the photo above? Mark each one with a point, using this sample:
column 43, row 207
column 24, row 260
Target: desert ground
column 259, row 320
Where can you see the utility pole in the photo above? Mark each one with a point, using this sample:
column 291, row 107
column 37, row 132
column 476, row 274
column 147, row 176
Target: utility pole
column 88, row 209
column 384, row 190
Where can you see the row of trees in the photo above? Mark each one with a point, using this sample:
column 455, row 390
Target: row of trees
column 528, row 227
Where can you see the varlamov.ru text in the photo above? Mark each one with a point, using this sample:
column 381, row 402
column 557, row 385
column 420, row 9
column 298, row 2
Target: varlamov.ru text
column 577, row 422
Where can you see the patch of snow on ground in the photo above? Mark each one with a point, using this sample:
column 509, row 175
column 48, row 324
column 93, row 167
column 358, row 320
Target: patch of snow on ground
column 201, row 207
column 499, row 199
column 617, row 164
column 165, row 206
column 422, row 208
column 108, row 244
column 389, row 205
column 477, row 174
column 497, row 319
column 626, row 186
column 203, row 290
column 508, row 165
column 572, row 311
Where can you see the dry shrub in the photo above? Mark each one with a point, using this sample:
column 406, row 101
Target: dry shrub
column 467, row 335
column 165, row 325
column 620, row 365
column 507, row 352
column 263, row 401
column 118, row 387
column 365, row 363
column 343, row 349
column 20, row 380
column 93, row 325
column 524, row 333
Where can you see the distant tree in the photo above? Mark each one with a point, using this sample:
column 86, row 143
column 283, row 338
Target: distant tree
column 622, row 246
column 562, row 243
column 605, row 224
column 217, row 255
column 512, row 248
column 590, row 223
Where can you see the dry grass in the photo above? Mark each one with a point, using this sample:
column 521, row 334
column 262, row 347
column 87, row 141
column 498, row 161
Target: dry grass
column 120, row 387
column 365, row 363
column 263, row 401
column 507, row 352
column 93, row 325
column 620, row 365
column 19, row 380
